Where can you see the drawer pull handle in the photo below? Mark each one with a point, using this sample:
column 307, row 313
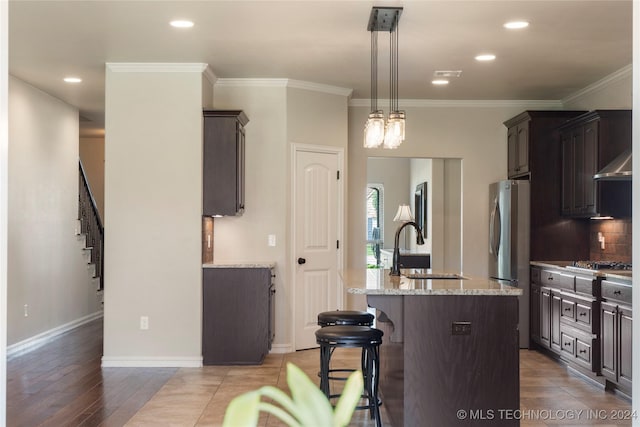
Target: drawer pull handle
column 617, row 292
column 550, row 278
column 583, row 314
column 583, row 351
column 567, row 344
column 567, row 309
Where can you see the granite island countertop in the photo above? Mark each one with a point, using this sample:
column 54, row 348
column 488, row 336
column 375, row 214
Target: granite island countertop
column 378, row 282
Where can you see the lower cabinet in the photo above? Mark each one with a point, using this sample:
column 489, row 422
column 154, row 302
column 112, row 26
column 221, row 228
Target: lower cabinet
column 237, row 315
column 617, row 327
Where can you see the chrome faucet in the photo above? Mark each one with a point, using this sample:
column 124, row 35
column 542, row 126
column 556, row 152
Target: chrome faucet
column 395, row 269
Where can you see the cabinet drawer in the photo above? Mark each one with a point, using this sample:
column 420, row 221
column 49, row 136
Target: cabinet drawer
column 568, row 344
column 568, row 310
column 559, row 280
column 616, row 291
column 535, row 275
column 586, row 285
column 584, row 314
column 583, row 352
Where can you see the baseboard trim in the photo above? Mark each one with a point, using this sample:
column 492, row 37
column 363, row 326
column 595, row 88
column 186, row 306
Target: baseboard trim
column 36, row 341
column 281, row 348
column 151, row 362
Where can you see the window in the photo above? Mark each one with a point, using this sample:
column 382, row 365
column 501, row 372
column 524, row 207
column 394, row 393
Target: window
column 375, row 221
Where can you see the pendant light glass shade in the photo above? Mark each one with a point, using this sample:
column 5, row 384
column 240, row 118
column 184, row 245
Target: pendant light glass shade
column 374, row 133
column 394, row 132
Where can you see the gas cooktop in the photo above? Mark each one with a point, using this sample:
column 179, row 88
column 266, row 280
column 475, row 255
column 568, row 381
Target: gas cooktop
column 602, row 265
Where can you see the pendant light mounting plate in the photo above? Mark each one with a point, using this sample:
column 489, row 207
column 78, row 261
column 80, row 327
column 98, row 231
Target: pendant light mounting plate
column 384, row 18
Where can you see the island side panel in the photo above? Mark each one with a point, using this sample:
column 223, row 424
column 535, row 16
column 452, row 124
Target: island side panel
column 389, row 319
column 477, row 373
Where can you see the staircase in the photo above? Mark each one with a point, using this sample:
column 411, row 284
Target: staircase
column 91, row 227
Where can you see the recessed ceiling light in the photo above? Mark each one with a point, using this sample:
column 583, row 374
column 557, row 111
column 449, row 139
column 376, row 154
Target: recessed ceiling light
column 485, row 57
column 516, row 25
column 440, row 82
column 72, row 79
column 181, row 23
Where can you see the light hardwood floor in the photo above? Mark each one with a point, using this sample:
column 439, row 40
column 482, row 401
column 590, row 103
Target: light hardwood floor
column 62, row 384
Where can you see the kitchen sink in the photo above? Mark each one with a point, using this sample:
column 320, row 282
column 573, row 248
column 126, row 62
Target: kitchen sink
column 438, row 276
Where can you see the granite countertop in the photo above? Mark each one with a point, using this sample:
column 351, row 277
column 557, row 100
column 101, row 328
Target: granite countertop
column 378, row 282
column 608, row 274
column 240, row 265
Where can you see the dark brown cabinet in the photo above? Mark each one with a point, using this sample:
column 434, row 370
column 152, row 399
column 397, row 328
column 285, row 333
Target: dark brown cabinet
column 617, row 327
column 223, row 162
column 534, row 154
column 566, row 317
column 518, row 149
column 237, row 315
column 588, row 143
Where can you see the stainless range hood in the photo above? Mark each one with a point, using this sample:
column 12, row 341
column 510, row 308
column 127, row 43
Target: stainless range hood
column 618, row 170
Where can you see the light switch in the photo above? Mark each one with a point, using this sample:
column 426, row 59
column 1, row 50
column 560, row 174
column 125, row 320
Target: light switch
column 271, row 239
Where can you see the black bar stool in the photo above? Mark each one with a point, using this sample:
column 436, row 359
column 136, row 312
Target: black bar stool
column 345, row 317
column 369, row 339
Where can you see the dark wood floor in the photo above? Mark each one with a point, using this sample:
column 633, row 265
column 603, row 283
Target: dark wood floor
column 62, row 384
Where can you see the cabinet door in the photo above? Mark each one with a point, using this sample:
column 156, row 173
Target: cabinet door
column 523, row 148
column 556, row 309
column 240, row 167
column 512, row 150
column 589, row 167
column 535, row 313
column 568, row 171
column 626, row 325
column 608, row 363
column 545, row 317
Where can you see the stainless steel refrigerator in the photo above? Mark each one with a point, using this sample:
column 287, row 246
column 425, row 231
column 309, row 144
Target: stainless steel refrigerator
column 509, row 242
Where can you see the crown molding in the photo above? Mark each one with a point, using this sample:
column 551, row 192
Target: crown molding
column 159, row 67
column 622, row 73
column 288, row 83
column 209, row 75
column 465, row 103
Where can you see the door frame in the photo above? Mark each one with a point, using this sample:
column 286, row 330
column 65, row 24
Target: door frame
column 295, row 148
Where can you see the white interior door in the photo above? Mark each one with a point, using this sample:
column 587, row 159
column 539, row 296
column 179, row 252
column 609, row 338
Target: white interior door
column 316, row 240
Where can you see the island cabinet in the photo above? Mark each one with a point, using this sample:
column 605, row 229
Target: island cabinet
column 534, row 154
column 223, row 162
column 566, row 316
column 617, row 324
column 237, row 315
column 588, row 143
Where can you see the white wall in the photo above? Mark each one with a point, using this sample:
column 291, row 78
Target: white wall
column 4, row 189
column 92, row 156
column 46, row 267
column 153, row 203
column 280, row 112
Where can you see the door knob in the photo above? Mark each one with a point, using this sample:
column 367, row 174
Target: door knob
column 301, row 260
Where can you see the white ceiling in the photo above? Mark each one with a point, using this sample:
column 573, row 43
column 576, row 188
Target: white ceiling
column 569, row 44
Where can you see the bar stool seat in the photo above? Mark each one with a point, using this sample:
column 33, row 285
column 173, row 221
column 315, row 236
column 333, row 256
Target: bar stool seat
column 345, row 317
column 369, row 339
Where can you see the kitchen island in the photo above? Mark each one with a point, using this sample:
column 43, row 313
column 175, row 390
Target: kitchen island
column 450, row 350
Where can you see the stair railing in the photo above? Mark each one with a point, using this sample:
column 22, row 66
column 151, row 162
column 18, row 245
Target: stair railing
column 91, row 225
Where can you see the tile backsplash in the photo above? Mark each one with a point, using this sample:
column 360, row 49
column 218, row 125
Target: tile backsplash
column 617, row 240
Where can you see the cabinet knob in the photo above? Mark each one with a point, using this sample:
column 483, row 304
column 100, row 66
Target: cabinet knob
column 583, row 314
column 301, row 261
column 583, row 351
column 567, row 309
column 567, row 344
column 616, row 292
column 550, row 278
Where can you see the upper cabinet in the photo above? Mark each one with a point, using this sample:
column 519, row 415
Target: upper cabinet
column 534, row 154
column 223, row 162
column 588, row 143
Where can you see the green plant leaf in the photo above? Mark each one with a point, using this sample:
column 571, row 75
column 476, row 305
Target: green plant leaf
column 281, row 398
column 284, row 416
column 243, row 410
column 348, row 400
column 313, row 407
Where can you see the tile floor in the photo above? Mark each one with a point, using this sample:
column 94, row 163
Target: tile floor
column 198, row 397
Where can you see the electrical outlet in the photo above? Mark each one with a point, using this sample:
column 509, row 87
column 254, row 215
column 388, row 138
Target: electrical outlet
column 144, row 323
column 26, row 310
column 271, row 239
column 461, row 328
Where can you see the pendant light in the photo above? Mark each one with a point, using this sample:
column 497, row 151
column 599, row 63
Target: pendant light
column 376, row 131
